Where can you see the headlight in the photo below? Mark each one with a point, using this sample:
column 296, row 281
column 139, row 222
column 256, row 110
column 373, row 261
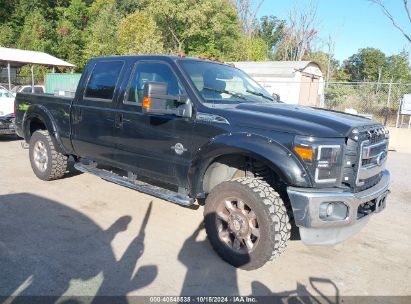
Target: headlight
column 322, row 156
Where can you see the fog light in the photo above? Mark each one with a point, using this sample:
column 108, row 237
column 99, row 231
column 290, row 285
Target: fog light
column 333, row 211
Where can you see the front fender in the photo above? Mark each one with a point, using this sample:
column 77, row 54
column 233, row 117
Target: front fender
column 40, row 112
column 284, row 163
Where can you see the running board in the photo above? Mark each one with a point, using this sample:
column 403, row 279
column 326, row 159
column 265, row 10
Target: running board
column 140, row 186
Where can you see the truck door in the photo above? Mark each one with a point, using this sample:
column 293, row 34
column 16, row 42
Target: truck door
column 93, row 116
column 156, row 146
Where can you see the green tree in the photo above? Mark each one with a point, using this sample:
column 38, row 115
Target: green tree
column 218, row 33
column 69, row 43
column 6, row 10
column 8, row 35
column 77, row 13
column 101, row 36
column 39, row 72
column 396, row 68
column 35, row 33
column 70, row 32
column 251, row 49
column 366, row 64
column 270, row 29
column 139, row 34
column 342, row 75
column 98, row 6
column 204, row 26
column 127, row 7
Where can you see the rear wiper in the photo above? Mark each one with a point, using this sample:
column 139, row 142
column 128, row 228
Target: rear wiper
column 226, row 92
column 259, row 94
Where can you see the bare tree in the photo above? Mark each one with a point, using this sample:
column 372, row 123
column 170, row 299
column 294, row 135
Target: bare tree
column 247, row 12
column 387, row 13
column 299, row 34
column 330, row 66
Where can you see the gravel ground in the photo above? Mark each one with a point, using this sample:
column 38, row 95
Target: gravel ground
column 82, row 236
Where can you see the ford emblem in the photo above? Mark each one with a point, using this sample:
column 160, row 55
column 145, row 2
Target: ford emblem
column 381, row 157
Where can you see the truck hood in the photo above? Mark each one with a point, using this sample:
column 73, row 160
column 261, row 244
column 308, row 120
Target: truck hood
column 296, row 119
column 6, row 106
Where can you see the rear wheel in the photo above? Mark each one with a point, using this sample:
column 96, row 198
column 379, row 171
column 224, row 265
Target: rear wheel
column 246, row 222
column 46, row 162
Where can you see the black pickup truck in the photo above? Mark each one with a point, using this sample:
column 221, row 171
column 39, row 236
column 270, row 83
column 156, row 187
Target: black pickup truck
column 194, row 131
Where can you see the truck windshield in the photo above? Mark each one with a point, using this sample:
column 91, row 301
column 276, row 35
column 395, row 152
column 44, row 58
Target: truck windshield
column 6, row 93
column 221, row 84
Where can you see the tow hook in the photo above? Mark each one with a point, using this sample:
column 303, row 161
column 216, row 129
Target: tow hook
column 380, row 202
column 24, row 145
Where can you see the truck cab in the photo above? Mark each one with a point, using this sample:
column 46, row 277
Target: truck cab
column 190, row 130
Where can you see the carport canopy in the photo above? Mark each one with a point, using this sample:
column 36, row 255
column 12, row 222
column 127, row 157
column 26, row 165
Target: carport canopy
column 17, row 58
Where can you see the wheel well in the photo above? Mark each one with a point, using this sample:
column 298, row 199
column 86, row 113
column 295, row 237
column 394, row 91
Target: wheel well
column 36, row 124
column 228, row 167
column 222, row 169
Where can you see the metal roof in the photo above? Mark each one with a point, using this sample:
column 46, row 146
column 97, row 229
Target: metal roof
column 17, row 57
column 274, row 68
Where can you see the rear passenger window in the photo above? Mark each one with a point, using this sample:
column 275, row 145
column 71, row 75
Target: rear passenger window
column 103, row 80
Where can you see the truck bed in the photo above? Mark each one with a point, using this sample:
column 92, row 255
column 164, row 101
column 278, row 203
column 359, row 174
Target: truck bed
column 57, row 106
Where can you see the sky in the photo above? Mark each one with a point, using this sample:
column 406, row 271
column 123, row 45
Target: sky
column 352, row 24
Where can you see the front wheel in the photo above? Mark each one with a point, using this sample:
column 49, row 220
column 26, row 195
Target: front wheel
column 246, row 222
column 46, row 162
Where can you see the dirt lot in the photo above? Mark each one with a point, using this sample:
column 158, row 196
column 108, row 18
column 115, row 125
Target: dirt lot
column 84, row 236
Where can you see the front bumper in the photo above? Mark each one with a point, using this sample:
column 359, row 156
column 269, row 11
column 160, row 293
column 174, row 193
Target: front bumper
column 315, row 231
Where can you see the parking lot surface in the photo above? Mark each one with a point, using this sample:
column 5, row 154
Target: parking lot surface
column 84, row 236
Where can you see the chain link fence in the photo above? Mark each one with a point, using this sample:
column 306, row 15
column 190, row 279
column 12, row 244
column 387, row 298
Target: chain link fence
column 381, row 101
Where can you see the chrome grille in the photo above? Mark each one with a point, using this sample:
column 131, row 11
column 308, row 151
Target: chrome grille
column 365, row 157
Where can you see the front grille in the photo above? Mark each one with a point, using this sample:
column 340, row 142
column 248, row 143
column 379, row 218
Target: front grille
column 364, row 158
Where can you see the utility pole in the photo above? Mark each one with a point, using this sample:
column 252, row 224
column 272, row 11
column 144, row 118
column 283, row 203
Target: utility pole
column 32, row 78
column 388, row 103
column 379, row 78
column 8, row 75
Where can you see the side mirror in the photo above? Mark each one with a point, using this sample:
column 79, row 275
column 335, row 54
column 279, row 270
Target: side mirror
column 156, row 101
column 275, row 96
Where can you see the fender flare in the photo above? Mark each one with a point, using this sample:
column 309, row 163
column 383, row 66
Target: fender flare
column 41, row 113
column 277, row 157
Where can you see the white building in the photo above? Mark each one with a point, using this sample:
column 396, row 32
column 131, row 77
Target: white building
column 296, row 82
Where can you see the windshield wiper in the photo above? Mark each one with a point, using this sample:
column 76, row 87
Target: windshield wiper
column 260, row 94
column 226, row 92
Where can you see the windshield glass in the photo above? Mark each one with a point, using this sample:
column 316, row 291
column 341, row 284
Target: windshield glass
column 5, row 93
column 223, row 85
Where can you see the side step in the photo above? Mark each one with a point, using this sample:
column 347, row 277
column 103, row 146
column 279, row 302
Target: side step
column 140, row 186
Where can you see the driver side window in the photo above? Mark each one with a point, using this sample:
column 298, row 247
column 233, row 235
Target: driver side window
column 152, row 72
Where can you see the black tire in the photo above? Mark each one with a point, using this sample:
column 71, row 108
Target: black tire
column 271, row 214
column 55, row 163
